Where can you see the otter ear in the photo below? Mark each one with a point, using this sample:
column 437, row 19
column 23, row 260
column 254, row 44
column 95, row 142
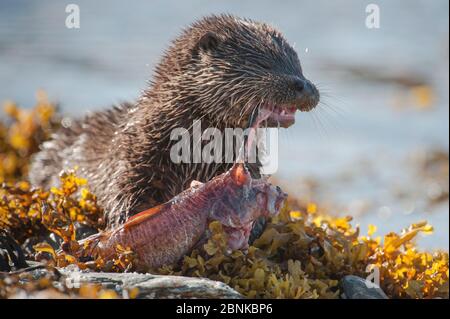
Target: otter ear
column 208, row 42
column 239, row 174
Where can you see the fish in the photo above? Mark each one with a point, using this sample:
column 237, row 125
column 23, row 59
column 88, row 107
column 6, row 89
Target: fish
column 164, row 234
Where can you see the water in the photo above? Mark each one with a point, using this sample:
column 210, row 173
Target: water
column 358, row 149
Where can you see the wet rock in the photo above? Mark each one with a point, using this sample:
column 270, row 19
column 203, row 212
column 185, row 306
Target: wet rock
column 84, row 231
column 354, row 287
column 50, row 239
column 11, row 255
column 154, row 286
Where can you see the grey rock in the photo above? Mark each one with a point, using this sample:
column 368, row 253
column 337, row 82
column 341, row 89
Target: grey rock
column 154, row 286
column 355, row 287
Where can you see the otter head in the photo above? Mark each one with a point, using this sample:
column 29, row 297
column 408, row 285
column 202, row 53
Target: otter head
column 230, row 68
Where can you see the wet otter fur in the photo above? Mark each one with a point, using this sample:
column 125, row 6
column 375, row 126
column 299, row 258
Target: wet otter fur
column 220, row 70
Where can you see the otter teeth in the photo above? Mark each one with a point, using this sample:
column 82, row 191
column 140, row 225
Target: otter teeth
column 284, row 114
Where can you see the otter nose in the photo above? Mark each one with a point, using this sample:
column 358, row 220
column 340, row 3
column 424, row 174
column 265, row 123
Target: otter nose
column 303, row 87
column 299, row 85
column 306, row 94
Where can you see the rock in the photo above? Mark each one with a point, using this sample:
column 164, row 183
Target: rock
column 50, row 239
column 354, row 287
column 84, row 231
column 42, row 294
column 154, row 286
column 11, row 255
column 258, row 228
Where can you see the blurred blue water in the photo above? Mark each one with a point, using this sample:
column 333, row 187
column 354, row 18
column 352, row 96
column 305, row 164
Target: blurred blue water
column 111, row 56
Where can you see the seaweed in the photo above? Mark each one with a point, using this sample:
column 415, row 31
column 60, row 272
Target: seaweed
column 304, row 255
column 21, row 134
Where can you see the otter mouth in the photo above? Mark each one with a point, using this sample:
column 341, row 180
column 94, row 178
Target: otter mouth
column 283, row 116
column 276, row 115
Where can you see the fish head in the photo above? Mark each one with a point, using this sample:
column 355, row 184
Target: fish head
column 242, row 201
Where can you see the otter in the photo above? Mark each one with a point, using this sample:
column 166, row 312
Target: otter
column 221, row 69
